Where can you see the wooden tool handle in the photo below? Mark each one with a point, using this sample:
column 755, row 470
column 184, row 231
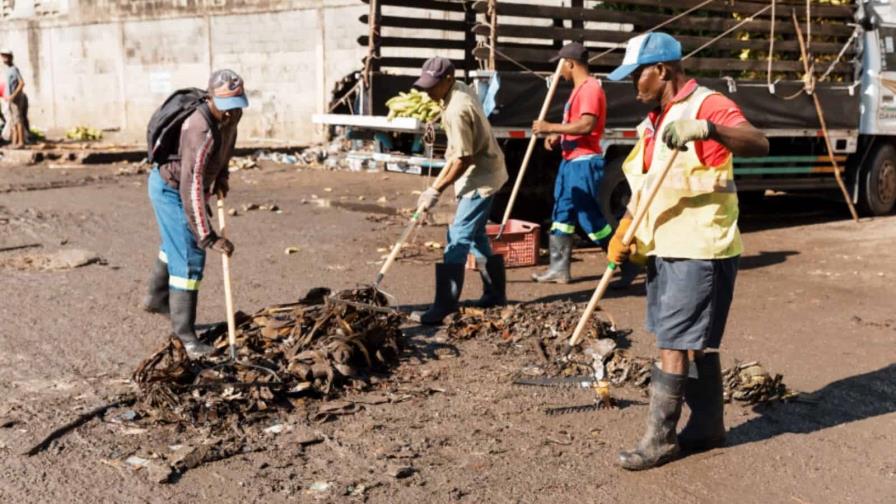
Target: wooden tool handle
column 532, row 141
column 643, row 205
column 228, row 293
column 415, row 219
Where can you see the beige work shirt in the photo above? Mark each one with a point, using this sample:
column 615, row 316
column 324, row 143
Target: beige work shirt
column 470, row 134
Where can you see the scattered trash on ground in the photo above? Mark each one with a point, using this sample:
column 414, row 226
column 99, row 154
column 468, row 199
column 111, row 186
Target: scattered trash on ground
column 331, row 155
column 132, row 169
column 750, row 383
column 242, row 163
column 264, row 207
column 317, row 347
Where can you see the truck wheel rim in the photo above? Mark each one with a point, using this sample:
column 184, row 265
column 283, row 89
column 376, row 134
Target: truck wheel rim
column 886, row 182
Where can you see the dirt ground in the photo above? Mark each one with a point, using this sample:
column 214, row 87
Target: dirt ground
column 815, row 301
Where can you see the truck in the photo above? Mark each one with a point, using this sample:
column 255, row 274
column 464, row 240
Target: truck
column 750, row 51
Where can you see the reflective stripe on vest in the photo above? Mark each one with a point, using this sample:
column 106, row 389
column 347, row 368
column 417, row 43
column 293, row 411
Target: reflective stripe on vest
column 694, row 215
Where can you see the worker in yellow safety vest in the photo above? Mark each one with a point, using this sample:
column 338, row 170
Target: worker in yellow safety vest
column 690, row 238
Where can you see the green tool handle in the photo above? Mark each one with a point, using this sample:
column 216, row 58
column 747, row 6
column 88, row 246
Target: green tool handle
column 601, row 289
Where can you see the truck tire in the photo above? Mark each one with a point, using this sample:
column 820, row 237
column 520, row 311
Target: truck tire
column 878, row 182
column 614, row 192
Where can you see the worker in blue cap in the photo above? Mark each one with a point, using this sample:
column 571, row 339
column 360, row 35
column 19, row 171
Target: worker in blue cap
column 690, row 237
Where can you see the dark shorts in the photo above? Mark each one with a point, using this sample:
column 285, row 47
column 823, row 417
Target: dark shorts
column 688, row 301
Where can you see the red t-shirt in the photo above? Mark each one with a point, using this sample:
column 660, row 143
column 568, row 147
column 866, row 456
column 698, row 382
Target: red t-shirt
column 717, row 109
column 589, row 98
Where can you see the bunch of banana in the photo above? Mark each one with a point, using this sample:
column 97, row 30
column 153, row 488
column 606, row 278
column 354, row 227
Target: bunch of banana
column 415, row 104
column 84, row 133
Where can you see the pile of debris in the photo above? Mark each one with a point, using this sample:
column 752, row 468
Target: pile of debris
column 314, row 347
column 553, row 321
column 750, row 383
column 544, row 326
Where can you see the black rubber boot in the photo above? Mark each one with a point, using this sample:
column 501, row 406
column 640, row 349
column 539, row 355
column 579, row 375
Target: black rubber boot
column 560, row 246
column 705, row 428
column 183, row 322
column 449, row 283
column 494, row 283
column 659, row 444
column 156, row 300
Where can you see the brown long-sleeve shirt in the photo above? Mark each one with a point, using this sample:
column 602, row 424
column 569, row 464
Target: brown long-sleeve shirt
column 200, row 170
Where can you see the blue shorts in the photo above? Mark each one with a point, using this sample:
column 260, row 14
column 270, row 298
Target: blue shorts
column 688, row 301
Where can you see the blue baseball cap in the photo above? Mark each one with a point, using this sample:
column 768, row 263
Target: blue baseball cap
column 226, row 89
column 655, row 47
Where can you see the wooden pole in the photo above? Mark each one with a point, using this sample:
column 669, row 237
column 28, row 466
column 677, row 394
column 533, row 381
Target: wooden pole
column 643, row 205
column 824, row 128
column 555, row 79
column 493, row 32
column 228, row 293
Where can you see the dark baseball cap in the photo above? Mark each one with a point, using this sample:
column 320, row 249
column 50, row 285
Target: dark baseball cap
column 434, row 70
column 226, row 89
column 574, row 51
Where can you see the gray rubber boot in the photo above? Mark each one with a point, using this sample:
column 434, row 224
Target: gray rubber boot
column 560, row 246
column 659, row 444
column 494, row 283
column 156, row 300
column 183, row 322
column 705, row 428
column 449, row 284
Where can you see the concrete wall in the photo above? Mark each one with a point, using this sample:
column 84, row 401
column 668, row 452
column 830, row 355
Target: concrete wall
column 110, row 63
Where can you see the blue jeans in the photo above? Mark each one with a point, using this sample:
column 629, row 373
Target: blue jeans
column 179, row 250
column 575, row 199
column 467, row 232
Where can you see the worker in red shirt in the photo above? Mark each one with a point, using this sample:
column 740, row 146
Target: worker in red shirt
column 582, row 168
column 690, row 237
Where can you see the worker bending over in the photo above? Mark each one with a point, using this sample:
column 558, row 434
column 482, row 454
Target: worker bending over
column 691, row 238
column 582, row 169
column 475, row 166
column 179, row 191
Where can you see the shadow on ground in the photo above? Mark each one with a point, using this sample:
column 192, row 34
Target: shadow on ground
column 790, row 210
column 848, row 400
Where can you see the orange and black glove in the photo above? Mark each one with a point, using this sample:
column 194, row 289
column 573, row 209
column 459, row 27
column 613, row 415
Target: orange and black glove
column 617, row 252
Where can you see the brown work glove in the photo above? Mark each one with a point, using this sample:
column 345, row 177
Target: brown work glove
column 223, row 245
column 616, row 251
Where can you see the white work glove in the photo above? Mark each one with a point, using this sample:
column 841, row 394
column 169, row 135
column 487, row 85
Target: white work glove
column 428, row 199
column 679, row 133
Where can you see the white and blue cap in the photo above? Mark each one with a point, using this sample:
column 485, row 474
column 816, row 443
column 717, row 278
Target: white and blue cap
column 655, row 47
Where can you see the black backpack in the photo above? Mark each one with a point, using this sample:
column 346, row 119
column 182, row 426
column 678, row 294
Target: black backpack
column 163, row 131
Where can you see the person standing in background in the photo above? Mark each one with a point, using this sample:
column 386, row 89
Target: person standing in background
column 16, row 100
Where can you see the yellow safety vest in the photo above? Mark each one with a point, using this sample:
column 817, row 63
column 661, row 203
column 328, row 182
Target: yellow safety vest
column 694, row 214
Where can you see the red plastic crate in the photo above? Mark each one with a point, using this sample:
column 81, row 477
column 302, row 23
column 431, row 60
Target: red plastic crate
column 518, row 244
